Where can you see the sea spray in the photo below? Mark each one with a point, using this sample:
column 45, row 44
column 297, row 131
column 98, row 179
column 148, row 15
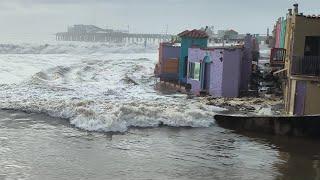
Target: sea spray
column 104, row 92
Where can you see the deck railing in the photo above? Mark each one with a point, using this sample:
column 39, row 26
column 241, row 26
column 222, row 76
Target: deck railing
column 277, row 57
column 305, row 65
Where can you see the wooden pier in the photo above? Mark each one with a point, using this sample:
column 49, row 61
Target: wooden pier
column 118, row 37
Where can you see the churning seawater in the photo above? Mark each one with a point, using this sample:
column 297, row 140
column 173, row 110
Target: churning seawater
column 90, row 111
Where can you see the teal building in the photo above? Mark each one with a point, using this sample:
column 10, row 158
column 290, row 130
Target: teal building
column 194, row 38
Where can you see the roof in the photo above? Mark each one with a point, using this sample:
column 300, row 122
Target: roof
column 194, row 34
column 310, row 16
column 231, row 30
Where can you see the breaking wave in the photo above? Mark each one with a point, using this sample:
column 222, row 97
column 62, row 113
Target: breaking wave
column 104, row 95
column 74, row 48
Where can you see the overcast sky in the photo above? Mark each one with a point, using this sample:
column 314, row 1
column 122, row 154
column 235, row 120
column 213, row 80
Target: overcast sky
column 43, row 17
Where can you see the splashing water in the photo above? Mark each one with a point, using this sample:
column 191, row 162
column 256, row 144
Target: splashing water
column 97, row 92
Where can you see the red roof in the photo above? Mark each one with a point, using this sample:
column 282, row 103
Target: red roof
column 194, row 34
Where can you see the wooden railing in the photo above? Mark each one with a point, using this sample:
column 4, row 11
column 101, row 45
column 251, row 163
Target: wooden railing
column 305, row 65
column 277, row 57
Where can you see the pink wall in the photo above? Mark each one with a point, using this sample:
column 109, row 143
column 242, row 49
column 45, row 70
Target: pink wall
column 278, row 31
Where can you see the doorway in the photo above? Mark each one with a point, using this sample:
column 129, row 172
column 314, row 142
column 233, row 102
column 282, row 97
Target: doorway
column 205, row 77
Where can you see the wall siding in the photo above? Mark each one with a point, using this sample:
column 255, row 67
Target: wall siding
column 187, row 43
column 231, row 73
column 312, row 101
column 216, row 73
column 224, row 76
column 167, row 51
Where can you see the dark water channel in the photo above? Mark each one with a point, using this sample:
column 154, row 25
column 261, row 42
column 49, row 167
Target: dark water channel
column 34, row 146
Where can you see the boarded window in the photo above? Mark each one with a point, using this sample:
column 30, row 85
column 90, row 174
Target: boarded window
column 194, row 70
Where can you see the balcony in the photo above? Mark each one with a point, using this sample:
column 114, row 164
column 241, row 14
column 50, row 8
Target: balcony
column 305, row 65
column 277, row 58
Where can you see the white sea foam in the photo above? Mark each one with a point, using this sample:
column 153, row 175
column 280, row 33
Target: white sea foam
column 74, row 48
column 96, row 92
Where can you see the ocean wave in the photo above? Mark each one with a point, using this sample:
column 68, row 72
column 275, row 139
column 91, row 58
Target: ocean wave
column 113, row 116
column 104, row 95
column 75, row 48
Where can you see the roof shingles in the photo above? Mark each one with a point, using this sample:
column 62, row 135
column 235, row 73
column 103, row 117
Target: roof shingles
column 194, row 34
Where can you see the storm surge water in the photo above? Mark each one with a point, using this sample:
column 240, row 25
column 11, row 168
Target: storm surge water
column 98, row 87
column 48, row 89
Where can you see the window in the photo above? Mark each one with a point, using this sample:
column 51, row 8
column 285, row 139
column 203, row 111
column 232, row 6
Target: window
column 312, row 46
column 194, row 69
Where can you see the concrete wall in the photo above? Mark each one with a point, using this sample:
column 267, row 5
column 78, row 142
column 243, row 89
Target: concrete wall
column 307, row 126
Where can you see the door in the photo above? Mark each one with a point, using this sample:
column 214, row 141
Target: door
column 300, row 96
column 205, row 76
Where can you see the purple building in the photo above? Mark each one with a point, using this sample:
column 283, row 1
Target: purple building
column 220, row 71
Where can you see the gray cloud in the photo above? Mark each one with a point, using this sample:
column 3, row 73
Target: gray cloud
column 35, row 17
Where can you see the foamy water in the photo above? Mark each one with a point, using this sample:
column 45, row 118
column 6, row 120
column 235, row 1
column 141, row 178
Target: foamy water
column 98, row 87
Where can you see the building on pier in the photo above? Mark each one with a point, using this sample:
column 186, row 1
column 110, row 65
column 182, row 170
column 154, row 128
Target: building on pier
column 90, row 33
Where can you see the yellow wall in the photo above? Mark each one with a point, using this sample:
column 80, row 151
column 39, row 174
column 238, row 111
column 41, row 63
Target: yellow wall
column 312, row 103
column 288, row 47
column 304, row 27
column 298, row 27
